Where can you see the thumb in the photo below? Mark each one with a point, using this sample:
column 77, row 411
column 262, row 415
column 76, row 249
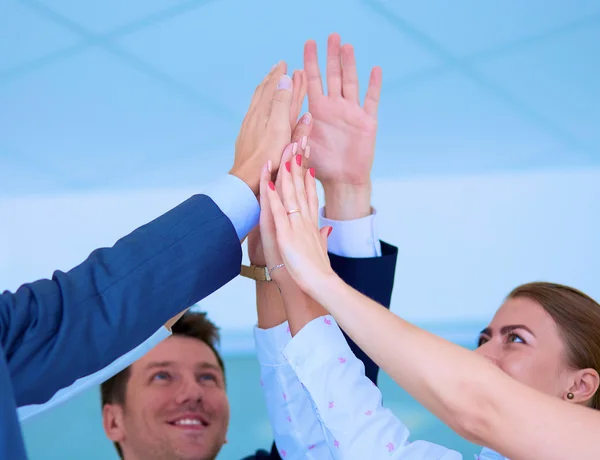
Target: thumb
column 279, row 118
column 325, row 232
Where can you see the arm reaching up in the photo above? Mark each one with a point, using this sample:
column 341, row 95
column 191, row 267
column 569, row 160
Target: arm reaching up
column 471, row 395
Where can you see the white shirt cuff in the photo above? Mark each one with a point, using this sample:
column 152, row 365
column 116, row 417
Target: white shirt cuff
column 352, row 238
column 270, row 344
column 84, row 383
column 237, row 201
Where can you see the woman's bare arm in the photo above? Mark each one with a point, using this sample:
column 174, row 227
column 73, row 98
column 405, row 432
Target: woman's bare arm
column 471, row 395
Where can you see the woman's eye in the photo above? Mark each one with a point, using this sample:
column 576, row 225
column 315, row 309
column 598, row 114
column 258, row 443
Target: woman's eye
column 514, row 338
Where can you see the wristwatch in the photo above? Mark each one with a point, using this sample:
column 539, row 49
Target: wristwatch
column 256, row 272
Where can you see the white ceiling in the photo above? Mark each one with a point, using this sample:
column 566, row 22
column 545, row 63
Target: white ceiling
column 116, row 94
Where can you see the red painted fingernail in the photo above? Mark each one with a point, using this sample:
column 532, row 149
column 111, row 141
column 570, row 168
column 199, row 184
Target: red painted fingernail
column 271, row 185
column 329, row 231
column 299, row 160
column 312, row 172
column 288, row 166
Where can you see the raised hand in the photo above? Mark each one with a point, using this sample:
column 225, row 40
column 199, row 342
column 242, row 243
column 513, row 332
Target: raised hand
column 266, row 128
column 343, row 137
column 302, row 246
column 302, row 129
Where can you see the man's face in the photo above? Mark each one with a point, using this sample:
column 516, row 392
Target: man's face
column 175, row 404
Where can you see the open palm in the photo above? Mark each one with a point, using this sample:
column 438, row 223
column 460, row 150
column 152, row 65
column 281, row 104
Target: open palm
column 343, row 136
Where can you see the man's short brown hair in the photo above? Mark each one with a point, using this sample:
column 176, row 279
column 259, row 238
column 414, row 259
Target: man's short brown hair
column 192, row 324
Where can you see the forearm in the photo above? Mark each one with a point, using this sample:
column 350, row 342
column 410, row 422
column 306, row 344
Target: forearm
column 471, row 395
column 269, row 305
column 417, row 360
column 300, row 309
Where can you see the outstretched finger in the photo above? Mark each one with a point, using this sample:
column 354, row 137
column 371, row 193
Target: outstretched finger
column 349, row 74
column 373, row 92
column 281, row 102
column 282, row 224
column 313, row 74
column 288, row 194
column 286, row 158
column 334, row 66
column 259, row 89
column 270, row 86
column 301, row 133
column 298, row 173
column 310, row 186
column 299, row 85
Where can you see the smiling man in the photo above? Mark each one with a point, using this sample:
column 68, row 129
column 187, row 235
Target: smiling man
column 172, row 402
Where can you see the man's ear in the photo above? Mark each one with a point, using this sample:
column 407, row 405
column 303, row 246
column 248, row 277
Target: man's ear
column 112, row 421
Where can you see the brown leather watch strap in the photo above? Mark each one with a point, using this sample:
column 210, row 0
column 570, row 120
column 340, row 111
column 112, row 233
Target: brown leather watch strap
column 255, row 272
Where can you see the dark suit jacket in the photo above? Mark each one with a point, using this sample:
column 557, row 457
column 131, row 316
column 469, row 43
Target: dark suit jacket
column 53, row 332
column 373, row 277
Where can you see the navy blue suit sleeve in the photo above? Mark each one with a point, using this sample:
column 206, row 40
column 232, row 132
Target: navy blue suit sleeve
column 56, row 331
column 373, row 277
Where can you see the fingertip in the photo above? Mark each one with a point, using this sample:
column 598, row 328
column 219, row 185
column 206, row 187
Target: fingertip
column 376, row 74
column 271, row 185
column 347, row 50
column 285, row 83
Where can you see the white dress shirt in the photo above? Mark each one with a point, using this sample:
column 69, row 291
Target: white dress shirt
column 238, row 203
column 320, row 403
column 346, row 402
column 297, row 430
column 322, row 406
